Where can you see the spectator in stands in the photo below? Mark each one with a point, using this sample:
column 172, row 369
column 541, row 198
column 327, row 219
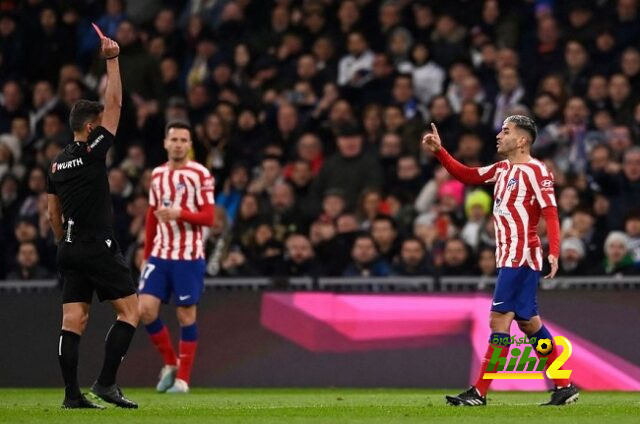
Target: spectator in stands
column 427, row 76
column 408, row 180
column 270, row 173
column 617, row 258
column 619, row 140
column 248, row 217
column 352, row 168
column 511, row 93
column 567, row 142
column 581, row 22
column 402, row 95
column 620, row 99
column 264, row 250
column 365, row 260
column 582, row 226
column 632, row 229
column 300, row 258
column 385, row 233
column 477, row 207
column 572, row 258
column 355, row 68
column 285, row 216
column 378, row 88
column 630, row 67
column 11, row 104
column 456, row 258
column 545, row 109
column 470, row 150
column 413, row 259
column 217, row 242
column 236, row 264
column 325, row 241
column 487, row 262
column 568, row 200
column 28, row 264
column 576, row 72
column 623, row 188
column 140, row 74
column 333, row 204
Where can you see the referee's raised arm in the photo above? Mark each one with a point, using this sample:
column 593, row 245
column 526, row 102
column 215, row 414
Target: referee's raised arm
column 113, row 93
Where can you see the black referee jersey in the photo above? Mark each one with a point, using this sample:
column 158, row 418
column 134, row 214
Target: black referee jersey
column 78, row 176
column 89, row 258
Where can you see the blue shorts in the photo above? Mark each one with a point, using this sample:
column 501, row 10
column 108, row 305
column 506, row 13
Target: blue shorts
column 515, row 291
column 185, row 279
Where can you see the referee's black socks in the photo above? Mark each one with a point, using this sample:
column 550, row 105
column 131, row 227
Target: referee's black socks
column 68, row 358
column 116, row 346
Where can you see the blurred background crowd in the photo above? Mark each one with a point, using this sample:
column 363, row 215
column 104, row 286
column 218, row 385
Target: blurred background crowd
column 309, row 114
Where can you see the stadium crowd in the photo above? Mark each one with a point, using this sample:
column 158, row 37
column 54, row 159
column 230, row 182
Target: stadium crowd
column 309, row 113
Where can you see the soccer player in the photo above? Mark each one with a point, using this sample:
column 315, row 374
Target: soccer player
column 89, row 258
column 523, row 191
column 180, row 205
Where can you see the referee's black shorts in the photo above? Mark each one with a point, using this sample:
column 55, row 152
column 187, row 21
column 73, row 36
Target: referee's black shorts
column 93, row 262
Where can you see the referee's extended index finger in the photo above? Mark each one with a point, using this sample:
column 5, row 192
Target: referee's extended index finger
column 98, row 30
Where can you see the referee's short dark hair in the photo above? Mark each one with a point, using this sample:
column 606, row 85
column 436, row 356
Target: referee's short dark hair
column 178, row 123
column 82, row 112
column 524, row 123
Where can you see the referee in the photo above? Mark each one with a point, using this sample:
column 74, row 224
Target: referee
column 89, row 258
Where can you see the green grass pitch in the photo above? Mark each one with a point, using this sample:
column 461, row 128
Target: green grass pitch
column 290, row 406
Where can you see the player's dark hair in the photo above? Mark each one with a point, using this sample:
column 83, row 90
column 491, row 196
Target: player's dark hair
column 179, row 124
column 82, row 112
column 524, row 123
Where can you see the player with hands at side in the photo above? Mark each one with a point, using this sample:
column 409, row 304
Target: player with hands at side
column 523, row 191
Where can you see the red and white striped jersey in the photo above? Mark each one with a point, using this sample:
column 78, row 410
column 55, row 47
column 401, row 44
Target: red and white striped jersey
column 189, row 188
column 521, row 191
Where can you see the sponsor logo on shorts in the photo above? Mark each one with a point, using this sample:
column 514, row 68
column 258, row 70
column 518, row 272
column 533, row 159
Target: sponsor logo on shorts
column 183, row 298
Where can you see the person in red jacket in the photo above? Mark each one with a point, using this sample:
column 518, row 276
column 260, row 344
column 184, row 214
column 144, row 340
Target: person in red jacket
column 523, row 191
column 180, row 206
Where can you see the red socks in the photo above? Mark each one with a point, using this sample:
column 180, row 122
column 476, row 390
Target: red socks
column 483, row 384
column 187, row 354
column 559, row 382
column 162, row 341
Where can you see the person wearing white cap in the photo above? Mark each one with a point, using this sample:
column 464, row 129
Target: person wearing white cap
column 572, row 254
column 617, row 260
